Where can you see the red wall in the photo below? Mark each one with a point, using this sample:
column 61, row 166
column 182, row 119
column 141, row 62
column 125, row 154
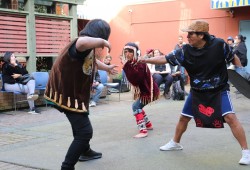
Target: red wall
column 157, row 25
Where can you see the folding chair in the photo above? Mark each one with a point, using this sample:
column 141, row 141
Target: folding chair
column 104, row 79
column 125, row 82
column 41, row 80
column 15, row 93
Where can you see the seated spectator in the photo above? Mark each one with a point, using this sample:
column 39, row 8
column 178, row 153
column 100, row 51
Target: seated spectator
column 107, row 60
column 22, row 61
column 178, row 73
column 162, row 74
column 97, row 88
column 12, row 70
column 149, row 54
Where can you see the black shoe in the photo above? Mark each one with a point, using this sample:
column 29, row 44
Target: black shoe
column 167, row 95
column 89, row 155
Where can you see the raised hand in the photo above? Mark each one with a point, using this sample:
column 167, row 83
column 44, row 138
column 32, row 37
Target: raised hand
column 112, row 69
column 142, row 59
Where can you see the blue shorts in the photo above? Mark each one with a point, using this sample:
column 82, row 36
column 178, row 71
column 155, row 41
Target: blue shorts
column 226, row 105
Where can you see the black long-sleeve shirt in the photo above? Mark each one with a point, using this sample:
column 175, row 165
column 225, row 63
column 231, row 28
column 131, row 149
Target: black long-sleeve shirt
column 9, row 70
column 241, row 52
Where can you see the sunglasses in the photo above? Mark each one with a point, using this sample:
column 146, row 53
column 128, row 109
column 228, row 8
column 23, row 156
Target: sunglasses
column 191, row 33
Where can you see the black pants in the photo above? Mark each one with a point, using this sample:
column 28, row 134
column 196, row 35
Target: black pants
column 182, row 81
column 82, row 133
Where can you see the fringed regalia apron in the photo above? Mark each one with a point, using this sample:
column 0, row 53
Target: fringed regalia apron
column 206, row 108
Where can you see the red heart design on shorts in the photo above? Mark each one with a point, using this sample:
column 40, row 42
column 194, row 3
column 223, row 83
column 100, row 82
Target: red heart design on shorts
column 208, row 111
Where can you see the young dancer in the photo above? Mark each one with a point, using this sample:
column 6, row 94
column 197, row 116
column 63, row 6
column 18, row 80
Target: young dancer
column 146, row 90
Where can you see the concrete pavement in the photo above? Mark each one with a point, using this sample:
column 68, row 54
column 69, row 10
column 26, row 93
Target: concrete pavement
column 41, row 141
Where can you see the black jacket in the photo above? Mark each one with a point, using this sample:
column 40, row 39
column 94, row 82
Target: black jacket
column 9, row 70
column 241, row 52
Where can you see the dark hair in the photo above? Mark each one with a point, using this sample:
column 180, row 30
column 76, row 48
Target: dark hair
column 242, row 38
column 97, row 28
column 157, row 50
column 6, row 56
column 206, row 35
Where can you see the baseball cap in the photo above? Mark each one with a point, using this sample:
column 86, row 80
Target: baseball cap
column 230, row 38
column 197, row 26
column 149, row 50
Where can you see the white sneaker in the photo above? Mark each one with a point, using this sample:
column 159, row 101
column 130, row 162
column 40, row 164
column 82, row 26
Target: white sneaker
column 92, row 104
column 32, row 97
column 170, row 146
column 34, row 111
column 245, row 160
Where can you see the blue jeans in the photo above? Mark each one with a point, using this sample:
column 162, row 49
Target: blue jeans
column 242, row 71
column 137, row 107
column 98, row 91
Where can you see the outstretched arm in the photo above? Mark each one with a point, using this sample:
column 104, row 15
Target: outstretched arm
column 85, row 43
column 109, row 68
column 154, row 60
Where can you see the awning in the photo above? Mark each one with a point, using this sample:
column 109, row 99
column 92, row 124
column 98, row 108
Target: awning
column 222, row 4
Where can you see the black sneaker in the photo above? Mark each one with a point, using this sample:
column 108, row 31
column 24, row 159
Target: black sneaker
column 89, row 155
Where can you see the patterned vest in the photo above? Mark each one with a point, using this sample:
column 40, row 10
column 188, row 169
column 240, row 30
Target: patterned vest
column 70, row 82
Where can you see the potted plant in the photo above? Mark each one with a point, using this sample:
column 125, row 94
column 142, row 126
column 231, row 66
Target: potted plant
column 117, row 78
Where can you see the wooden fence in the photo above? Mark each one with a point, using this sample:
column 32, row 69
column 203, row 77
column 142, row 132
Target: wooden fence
column 51, row 34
